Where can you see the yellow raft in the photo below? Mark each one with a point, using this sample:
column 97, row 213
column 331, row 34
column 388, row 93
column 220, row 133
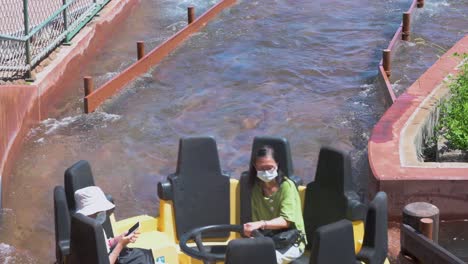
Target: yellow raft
column 339, row 227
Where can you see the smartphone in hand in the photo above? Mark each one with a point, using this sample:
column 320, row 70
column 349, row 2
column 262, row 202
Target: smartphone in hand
column 133, row 228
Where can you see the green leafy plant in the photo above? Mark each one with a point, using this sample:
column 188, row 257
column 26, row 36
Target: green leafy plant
column 453, row 122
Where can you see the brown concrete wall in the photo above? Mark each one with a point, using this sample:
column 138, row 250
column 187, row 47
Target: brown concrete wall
column 16, row 103
column 383, row 81
column 21, row 107
column 449, row 196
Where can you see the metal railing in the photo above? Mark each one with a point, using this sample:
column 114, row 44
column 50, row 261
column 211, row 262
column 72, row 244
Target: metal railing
column 31, row 29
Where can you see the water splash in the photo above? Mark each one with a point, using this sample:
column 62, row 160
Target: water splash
column 11, row 255
column 177, row 25
column 51, row 126
column 432, row 7
column 366, row 89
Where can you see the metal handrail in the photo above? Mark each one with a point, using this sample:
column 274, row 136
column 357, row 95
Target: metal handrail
column 48, row 20
column 7, row 37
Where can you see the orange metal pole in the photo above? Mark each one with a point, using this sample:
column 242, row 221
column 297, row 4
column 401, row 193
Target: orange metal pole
column 405, row 33
column 420, row 4
column 88, row 89
column 426, row 226
column 140, row 49
column 88, row 85
column 386, row 62
column 191, row 14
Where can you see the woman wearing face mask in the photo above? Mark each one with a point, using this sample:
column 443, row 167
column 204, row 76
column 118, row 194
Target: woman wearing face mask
column 92, row 202
column 275, row 203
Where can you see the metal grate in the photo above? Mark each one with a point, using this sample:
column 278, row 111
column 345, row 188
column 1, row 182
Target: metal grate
column 31, row 29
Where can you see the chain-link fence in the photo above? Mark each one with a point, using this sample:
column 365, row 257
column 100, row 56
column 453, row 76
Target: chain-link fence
column 31, row 29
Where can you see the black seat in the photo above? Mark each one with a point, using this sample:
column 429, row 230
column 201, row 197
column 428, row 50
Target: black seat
column 62, row 225
column 285, row 164
column 79, row 176
column 259, row 250
column 375, row 247
column 329, row 197
column 333, row 244
column 87, row 243
column 199, row 190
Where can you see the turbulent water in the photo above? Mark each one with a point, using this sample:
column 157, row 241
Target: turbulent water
column 300, row 69
column 436, row 28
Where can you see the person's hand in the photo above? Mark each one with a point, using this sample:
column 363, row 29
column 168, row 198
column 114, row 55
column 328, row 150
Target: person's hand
column 132, row 238
column 251, row 226
column 118, row 238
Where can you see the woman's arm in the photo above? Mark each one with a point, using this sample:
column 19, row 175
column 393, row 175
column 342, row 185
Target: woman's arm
column 123, row 241
column 275, row 223
column 114, row 255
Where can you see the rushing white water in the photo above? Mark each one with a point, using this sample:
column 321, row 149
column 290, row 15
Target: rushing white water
column 50, row 126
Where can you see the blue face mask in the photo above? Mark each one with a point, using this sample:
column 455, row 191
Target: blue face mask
column 101, row 217
column 267, row 176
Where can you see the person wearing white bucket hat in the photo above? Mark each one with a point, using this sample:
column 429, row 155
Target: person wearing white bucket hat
column 92, row 202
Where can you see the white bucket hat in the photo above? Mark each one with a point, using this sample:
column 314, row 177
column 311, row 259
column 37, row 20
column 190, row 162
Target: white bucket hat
column 91, row 200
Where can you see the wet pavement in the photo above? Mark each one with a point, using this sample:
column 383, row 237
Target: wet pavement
column 300, row 69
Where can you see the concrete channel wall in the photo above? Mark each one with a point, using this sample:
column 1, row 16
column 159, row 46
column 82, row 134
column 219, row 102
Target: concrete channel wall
column 22, row 106
column 393, row 148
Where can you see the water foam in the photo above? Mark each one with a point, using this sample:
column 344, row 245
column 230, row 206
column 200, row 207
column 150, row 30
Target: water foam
column 433, row 7
column 366, row 89
column 51, row 125
column 104, row 117
column 5, row 252
column 176, row 26
column 10, row 255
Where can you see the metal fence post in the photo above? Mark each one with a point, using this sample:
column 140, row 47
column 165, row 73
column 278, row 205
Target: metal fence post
column 28, row 40
column 65, row 19
column 65, row 25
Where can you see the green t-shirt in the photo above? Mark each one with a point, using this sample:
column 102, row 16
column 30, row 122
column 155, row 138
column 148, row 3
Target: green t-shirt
column 285, row 202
